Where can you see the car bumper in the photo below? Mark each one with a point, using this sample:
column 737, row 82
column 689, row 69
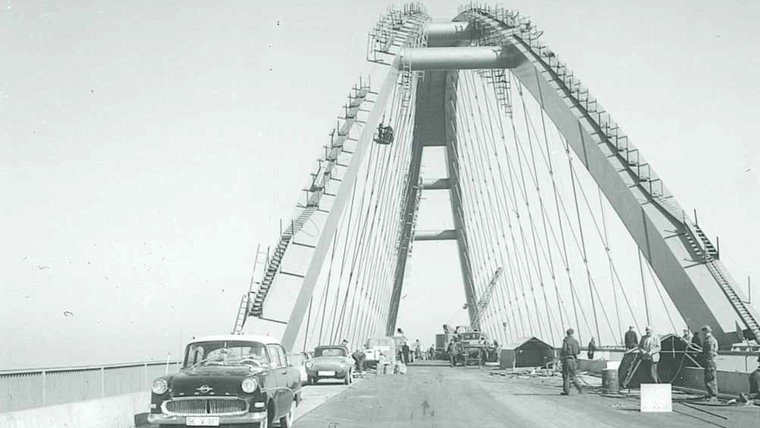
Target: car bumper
column 163, row 419
column 339, row 374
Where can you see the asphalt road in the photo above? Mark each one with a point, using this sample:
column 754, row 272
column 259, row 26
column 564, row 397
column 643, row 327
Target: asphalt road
column 472, row 397
column 314, row 396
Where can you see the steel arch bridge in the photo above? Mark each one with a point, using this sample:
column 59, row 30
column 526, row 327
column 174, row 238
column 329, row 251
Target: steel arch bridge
column 534, row 167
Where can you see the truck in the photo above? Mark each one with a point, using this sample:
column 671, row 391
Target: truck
column 472, row 346
column 379, row 350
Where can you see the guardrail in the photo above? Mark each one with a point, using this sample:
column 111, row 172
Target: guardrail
column 29, row 388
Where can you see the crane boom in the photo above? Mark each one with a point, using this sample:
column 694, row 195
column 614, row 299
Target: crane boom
column 485, row 299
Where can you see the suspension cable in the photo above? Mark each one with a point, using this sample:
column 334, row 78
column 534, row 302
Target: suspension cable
column 644, row 288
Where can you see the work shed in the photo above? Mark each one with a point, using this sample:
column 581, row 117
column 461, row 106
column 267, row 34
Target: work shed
column 526, row 352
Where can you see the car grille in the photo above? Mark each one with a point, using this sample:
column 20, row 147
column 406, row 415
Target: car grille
column 206, row 406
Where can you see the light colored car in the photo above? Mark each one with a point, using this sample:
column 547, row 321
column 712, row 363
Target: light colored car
column 330, row 362
column 299, row 361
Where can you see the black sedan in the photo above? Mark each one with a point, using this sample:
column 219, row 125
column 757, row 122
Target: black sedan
column 231, row 380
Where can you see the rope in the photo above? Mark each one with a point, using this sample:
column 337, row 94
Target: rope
column 376, row 270
column 538, row 192
column 662, row 299
column 380, row 216
column 491, row 225
column 512, row 269
column 612, row 277
column 327, row 287
column 644, row 287
column 565, row 259
column 601, row 235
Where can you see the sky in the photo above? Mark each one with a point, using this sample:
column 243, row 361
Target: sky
column 147, row 148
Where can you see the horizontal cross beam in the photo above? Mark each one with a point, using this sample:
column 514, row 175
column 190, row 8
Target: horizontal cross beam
column 464, row 58
column 436, row 235
column 439, row 184
column 449, row 33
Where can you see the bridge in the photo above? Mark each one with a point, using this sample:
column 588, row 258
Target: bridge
column 556, row 219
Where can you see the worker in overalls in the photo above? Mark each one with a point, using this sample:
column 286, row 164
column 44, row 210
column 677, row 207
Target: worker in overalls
column 569, row 357
column 710, row 356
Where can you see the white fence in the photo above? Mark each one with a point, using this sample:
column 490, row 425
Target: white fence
column 24, row 389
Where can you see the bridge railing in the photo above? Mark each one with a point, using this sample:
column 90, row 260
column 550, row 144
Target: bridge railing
column 29, row 388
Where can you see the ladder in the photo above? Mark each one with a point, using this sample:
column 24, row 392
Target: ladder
column 244, row 308
column 273, row 263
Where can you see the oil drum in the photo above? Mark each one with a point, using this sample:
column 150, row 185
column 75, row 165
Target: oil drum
column 610, row 383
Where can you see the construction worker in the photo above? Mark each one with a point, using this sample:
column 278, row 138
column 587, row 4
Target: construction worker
column 359, row 356
column 754, row 381
column 591, row 349
column 687, row 335
column 631, row 339
column 696, row 340
column 710, row 355
column 452, row 350
column 569, row 357
column 650, row 353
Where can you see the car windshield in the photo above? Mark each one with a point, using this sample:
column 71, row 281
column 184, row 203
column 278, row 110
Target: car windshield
column 330, row 352
column 470, row 336
column 225, row 353
column 380, row 342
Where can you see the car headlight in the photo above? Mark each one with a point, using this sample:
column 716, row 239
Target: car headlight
column 309, row 364
column 159, row 386
column 249, row 385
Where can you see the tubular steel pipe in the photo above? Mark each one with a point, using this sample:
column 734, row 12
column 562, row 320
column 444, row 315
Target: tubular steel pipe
column 449, row 33
column 464, row 58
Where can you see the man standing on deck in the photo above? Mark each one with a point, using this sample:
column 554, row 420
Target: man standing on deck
column 631, row 338
column 695, row 339
column 569, row 357
column 710, row 355
column 650, row 353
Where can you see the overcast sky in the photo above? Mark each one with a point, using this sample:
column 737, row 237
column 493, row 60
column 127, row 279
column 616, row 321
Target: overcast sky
column 147, row 147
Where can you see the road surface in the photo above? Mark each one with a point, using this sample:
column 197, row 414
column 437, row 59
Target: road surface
column 430, row 396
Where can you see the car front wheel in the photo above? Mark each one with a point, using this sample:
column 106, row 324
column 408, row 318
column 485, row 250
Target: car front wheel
column 264, row 423
column 287, row 420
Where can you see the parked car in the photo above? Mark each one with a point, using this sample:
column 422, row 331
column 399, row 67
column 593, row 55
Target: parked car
column 299, row 361
column 228, row 380
column 330, row 362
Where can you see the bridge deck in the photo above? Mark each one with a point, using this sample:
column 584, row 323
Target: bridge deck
column 429, row 396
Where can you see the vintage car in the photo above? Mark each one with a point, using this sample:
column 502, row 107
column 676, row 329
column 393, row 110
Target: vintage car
column 228, row 380
column 330, row 362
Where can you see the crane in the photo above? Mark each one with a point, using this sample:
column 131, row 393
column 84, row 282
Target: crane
column 485, row 299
